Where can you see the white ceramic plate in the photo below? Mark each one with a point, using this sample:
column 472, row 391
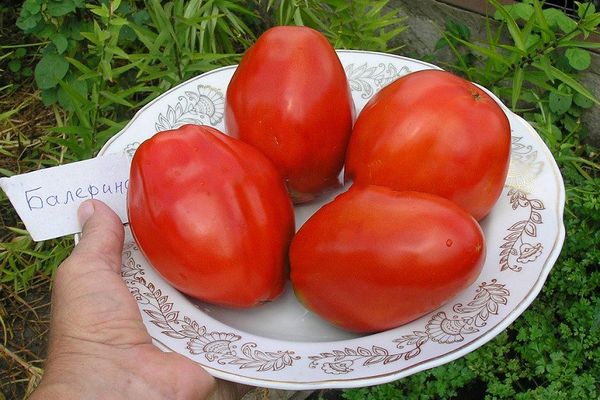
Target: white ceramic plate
column 281, row 344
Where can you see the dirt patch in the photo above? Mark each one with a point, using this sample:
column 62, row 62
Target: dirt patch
column 23, row 142
column 24, row 314
column 24, row 323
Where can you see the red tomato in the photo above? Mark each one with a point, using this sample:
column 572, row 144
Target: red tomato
column 374, row 258
column 212, row 215
column 431, row 131
column 290, row 98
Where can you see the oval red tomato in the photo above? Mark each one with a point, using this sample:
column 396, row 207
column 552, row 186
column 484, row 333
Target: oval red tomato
column 434, row 132
column 374, row 258
column 290, row 98
column 212, row 215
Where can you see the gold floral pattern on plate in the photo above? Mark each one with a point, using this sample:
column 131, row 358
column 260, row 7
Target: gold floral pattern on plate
column 222, row 347
column 369, row 79
column 518, row 247
column 439, row 329
column 203, row 106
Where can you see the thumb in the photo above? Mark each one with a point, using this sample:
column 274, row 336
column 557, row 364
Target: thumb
column 101, row 237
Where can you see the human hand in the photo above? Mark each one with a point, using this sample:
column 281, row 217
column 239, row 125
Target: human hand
column 99, row 347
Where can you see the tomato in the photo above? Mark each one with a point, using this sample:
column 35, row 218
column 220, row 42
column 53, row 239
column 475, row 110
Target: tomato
column 375, row 258
column 290, row 98
column 212, row 215
column 432, row 131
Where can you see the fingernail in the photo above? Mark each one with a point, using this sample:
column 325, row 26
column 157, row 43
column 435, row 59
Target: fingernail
column 85, row 211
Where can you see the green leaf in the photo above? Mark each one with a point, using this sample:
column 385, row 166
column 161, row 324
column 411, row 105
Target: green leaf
column 512, row 26
column 74, row 29
column 101, row 11
column 582, row 101
column 585, row 9
column 590, row 24
column 72, row 92
column 118, row 21
column 560, row 102
column 440, row 44
column 48, row 96
column 511, row 49
column 579, row 43
column 539, row 79
column 458, row 29
column 540, row 18
column 532, row 40
column 61, row 42
column 77, row 103
column 566, row 23
column 522, row 11
column 571, row 82
column 115, row 98
column 14, row 65
column 5, row 172
column 486, row 51
column 32, row 6
column 50, row 70
column 545, row 63
column 84, row 69
column 28, row 22
column 572, row 124
column 60, row 7
column 516, row 88
column 90, row 37
column 552, row 15
column 45, row 31
column 579, row 59
column 106, row 69
column 140, row 17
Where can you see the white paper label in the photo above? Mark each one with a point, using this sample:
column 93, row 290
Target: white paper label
column 47, row 200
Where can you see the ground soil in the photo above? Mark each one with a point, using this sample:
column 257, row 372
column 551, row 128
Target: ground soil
column 23, row 335
column 24, row 313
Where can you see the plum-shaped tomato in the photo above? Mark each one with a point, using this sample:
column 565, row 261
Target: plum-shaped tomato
column 290, row 98
column 374, row 258
column 431, row 131
column 212, row 215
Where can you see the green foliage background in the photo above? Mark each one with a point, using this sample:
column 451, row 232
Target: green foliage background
column 95, row 63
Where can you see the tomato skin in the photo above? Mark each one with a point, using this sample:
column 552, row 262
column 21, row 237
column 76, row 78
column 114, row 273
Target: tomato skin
column 212, row 215
column 431, row 131
column 374, row 258
column 290, row 98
